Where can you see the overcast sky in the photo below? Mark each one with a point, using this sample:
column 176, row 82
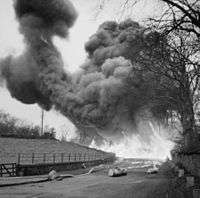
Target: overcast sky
column 72, row 50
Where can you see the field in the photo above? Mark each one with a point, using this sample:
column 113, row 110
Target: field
column 10, row 148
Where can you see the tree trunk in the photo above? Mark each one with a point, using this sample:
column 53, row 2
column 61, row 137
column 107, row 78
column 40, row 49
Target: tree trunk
column 188, row 124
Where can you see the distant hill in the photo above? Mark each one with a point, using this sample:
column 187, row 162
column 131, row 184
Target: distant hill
column 10, row 147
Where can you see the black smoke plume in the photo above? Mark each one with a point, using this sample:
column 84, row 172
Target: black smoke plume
column 39, row 22
column 95, row 97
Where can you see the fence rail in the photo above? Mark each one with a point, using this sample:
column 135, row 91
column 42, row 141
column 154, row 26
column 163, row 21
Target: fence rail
column 27, row 164
column 41, row 158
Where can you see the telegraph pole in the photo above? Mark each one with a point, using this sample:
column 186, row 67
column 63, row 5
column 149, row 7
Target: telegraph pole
column 42, row 123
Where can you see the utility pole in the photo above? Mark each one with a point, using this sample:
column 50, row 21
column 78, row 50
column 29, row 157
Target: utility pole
column 42, row 123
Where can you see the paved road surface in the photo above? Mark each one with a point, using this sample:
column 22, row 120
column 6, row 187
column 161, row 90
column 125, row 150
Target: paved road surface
column 97, row 185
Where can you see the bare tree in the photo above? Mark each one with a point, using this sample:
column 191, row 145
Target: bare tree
column 175, row 60
column 182, row 15
column 178, row 14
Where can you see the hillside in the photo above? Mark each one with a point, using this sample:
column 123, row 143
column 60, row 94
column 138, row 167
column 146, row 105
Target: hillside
column 10, row 147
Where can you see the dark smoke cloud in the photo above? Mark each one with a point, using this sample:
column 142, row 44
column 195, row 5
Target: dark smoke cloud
column 39, row 21
column 98, row 95
column 53, row 17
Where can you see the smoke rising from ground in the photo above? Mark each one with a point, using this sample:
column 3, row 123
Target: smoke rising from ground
column 98, row 95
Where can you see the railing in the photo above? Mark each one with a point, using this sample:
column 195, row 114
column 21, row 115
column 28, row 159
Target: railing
column 42, row 158
column 27, row 164
column 8, row 169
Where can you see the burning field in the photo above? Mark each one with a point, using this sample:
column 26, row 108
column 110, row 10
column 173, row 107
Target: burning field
column 103, row 94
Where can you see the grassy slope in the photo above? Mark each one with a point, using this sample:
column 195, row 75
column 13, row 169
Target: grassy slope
column 10, row 147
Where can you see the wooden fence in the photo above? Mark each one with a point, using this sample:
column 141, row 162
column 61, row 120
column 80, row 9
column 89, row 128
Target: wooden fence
column 42, row 158
column 40, row 163
column 8, row 169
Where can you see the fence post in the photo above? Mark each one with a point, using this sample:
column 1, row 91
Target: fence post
column 1, row 171
column 19, row 158
column 84, row 157
column 33, row 156
column 62, row 157
column 44, row 157
column 54, row 158
column 69, row 156
column 75, row 157
column 95, row 156
column 80, row 156
column 13, row 170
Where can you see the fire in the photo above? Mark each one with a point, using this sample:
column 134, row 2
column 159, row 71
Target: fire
column 158, row 145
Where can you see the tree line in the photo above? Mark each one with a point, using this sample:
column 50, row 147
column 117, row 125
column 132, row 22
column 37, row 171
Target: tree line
column 13, row 127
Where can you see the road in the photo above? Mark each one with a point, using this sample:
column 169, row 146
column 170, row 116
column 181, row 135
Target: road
column 97, row 185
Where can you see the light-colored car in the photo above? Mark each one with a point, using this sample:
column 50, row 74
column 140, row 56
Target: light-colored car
column 116, row 172
column 153, row 170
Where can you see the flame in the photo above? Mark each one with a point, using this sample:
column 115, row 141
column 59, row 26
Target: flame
column 134, row 146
